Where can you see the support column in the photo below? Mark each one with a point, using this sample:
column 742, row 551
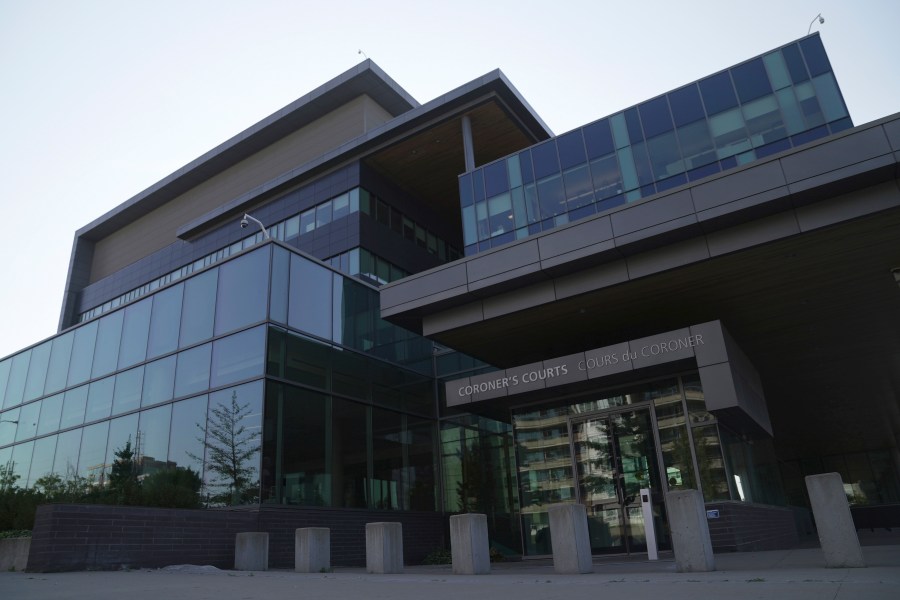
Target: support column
column 690, row 532
column 468, row 146
column 837, row 533
column 569, row 539
column 469, row 545
column 312, row 550
column 384, row 547
column 251, row 551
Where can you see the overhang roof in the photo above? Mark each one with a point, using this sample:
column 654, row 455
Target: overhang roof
column 366, row 78
column 794, row 254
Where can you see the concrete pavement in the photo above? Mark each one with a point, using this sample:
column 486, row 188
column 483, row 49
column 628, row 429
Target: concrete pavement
column 798, row 573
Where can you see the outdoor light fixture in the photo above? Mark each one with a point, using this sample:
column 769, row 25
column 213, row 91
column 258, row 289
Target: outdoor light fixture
column 813, row 22
column 245, row 222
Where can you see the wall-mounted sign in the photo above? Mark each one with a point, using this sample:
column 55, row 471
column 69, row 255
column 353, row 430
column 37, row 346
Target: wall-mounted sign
column 600, row 362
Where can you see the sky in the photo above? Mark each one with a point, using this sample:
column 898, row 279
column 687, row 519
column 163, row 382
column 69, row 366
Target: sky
column 101, row 99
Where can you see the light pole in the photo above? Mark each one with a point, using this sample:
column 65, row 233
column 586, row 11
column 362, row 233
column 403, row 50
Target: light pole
column 813, row 22
column 245, row 222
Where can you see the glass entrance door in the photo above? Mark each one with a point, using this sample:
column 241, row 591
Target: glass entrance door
column 615, row 456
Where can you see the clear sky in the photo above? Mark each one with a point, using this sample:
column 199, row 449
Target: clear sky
column 100, row 99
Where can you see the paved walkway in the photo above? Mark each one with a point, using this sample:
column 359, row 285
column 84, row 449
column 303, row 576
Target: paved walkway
column 770, row 575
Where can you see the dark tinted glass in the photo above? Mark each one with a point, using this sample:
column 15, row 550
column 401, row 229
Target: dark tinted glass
column 525, row 163
column 598, row 139
column 773, row 148
column 696, row 144
column 478, row 185
column 633, row 122
column 642, row 164
column 545, row 159
column 665, row 158
column 607, row 180
column 751, row 80
column 135, row 330
column 301, row 445
column 387, row 458
column 814, row 53
column 655, row 117
column 551, row 197
column 495, row 179
column 350, row 450
column 686, row 105
column 717, row 92
column 198, row 308
column 795, row 63
column 242, row 291
column 704, row 171
column 165, row 320
column 571, row 149
column 466, row 198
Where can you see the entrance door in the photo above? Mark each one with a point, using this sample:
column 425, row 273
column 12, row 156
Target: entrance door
column 615, row 456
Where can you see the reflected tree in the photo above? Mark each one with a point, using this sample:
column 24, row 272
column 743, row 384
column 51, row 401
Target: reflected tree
column 230, row 447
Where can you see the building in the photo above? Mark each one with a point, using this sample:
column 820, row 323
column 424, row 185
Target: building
column 444, row 307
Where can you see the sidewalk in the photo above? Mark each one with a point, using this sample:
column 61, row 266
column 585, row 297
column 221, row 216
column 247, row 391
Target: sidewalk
column 772, row 575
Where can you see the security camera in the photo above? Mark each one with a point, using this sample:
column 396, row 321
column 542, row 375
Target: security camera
column 244, row 223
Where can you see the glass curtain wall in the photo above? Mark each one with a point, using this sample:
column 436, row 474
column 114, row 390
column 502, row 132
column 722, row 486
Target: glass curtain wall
column 615, row 455
column 768, row 104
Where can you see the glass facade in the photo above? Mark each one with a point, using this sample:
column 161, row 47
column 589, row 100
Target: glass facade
column 263, row 345
column 358, row 262
column 768, row 104
column 601, row 451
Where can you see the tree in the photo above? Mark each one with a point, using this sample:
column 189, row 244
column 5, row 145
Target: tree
column 172, row 488
column 230, row 449
column 123, row 482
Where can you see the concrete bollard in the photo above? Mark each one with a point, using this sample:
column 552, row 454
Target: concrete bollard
column 251, row 551
column 569, row 539
column 312, row 549
column 690, row 532
column 384, row 548
column 469, row 545
column 837, row 533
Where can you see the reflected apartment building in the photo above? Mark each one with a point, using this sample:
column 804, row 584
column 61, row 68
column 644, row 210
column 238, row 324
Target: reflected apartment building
column 451, row 309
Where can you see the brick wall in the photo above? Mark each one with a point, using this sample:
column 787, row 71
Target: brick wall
column 743, row 527
column 71, row 537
